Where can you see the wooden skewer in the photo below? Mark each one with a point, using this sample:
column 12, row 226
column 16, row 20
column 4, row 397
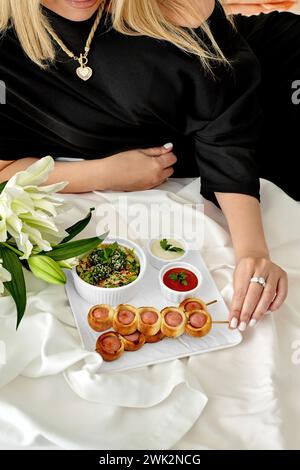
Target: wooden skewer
column 211, row 302
column 217, row 321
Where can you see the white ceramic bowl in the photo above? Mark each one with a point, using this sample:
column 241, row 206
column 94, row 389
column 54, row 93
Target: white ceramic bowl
column 115, row 295
column 178, row 296
column 159, row 263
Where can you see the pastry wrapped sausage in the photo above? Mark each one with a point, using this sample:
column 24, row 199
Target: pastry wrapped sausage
column 173, row 322
column 199, row 323
column 100, row 317
column 149, row 320
column 125, row 320
column 110, row 346
column 155, row 338
column 192, row 303
column 134, row 341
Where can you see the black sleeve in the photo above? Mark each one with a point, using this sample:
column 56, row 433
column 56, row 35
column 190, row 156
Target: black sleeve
column 224, row 122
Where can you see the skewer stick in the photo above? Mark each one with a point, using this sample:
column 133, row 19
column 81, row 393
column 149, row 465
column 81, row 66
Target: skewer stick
column 220, row 321
column 211, row 302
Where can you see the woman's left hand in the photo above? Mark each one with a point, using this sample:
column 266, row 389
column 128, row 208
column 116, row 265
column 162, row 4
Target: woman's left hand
column 251, row 301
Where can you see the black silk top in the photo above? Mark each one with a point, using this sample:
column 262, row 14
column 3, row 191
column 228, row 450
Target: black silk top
column 143, row 93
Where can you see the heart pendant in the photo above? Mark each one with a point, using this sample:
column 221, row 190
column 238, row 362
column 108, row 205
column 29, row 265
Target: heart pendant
column 84, row 73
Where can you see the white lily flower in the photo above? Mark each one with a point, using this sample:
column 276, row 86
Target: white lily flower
column 35, row 174
column 3, row 232
column 28, row 210
column 5, row 276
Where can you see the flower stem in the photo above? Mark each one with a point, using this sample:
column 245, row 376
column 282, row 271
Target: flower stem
column 10, row 247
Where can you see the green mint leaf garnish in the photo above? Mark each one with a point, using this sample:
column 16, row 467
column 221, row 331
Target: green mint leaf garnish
column 176, row 249
column 180, row 277
column 173, row 276
column 165, row 245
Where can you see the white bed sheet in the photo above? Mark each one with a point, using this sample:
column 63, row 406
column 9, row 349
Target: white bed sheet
column 246, row 397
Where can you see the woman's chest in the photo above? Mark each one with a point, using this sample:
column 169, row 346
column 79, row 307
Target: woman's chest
column 128, row 88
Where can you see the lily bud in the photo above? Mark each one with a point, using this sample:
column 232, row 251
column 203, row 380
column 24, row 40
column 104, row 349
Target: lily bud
column 47, row 269
column 68, row 263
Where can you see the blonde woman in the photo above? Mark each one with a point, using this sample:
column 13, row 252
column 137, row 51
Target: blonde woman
column 124, row 86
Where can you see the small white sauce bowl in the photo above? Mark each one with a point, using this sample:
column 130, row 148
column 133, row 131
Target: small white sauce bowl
column 113, row 295
column 178, row 296
column 157, row 262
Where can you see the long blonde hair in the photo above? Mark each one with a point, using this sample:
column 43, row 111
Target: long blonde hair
column 130, row 17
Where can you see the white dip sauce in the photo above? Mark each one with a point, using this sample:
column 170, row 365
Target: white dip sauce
column 158, row 251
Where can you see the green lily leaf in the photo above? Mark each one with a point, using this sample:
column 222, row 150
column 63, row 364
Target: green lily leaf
column 2, row 186
column 16, row 287
column 78, row 227
column 69, row 250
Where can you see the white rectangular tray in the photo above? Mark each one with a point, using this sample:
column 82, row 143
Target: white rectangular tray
column 220, row 336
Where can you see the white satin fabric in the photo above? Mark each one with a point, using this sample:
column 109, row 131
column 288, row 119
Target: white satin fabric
column 53, row 396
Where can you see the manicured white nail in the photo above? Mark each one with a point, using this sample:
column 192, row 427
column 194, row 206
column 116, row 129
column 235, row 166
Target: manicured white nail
column 169, row 145
column 234, row 322
column 243, row 326
column 252, row 322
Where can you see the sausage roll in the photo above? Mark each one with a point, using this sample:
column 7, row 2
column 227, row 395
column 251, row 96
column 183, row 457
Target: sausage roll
column 134, row 341
column 110, row 346
column 199, row 323
column 173, row 322
column 149, row 321
column 155, row 338
column 100, row 317
column 192, row 303
column 125, row 319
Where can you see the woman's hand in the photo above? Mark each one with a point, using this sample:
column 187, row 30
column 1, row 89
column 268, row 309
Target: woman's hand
column 254, row 7
column 140, row 169
column 251, row 301
column 133, row 170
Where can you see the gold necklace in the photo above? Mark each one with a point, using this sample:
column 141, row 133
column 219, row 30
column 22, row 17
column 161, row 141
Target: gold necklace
column 83, row 71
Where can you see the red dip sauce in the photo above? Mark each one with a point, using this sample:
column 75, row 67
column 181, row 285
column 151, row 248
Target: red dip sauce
column 180, row 279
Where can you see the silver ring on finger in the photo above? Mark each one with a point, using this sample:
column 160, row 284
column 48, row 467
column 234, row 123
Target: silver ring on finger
column 259, row 280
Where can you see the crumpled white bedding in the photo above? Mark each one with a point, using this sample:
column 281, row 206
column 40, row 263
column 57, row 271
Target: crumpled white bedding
column 246, row 397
